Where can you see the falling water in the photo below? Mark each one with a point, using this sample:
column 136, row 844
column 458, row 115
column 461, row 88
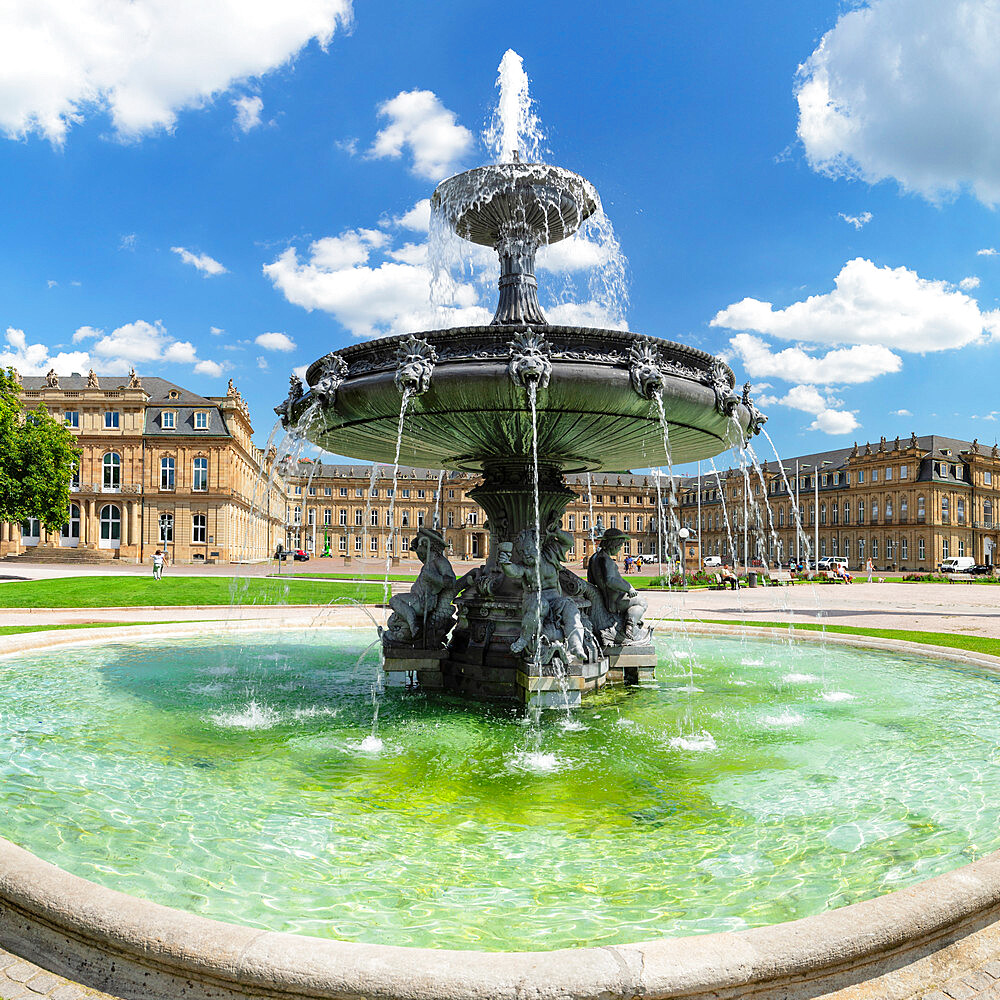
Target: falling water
column 372, row 480
column 533, row 402
column 437, row 501
column 590, row 505
column 799, row 532
column 393, row 530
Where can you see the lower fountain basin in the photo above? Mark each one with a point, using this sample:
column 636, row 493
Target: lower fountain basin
column 239, row 777
column 590, row 415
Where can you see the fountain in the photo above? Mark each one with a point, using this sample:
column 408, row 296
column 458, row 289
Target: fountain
column 523, row 402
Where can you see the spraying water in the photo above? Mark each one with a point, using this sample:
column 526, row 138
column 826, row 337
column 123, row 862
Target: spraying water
column 514, row 130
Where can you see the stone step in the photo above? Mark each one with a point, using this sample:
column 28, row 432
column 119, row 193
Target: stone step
column 67, row 555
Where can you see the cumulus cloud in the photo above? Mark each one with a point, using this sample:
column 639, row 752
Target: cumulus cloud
column 842, row 366
column 901, row 413
column 419, row 122
column 858, row 221
column 35, row 359
column 248, row 111
column 417, row 218
column 987, row 252
column 910, row 90
column 275, row 342
column 141, row 344
column 828, row 417
column 893, row 307
column 144, row 61
column 967, row 284
column 207, row 265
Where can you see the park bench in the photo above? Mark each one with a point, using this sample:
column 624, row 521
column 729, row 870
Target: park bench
column 781, row 577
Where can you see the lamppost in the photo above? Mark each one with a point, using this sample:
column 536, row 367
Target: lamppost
column 684, row 534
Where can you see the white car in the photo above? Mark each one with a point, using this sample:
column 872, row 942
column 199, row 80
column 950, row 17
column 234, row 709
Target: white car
column 958, row 564
column 713, row 561
column 833, row 563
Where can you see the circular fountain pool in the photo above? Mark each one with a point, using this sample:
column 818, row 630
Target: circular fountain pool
column 754, row 783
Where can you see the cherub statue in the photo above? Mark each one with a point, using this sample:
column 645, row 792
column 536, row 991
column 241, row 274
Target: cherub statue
column 548, row 614
column 620, row 602
column 424, row 617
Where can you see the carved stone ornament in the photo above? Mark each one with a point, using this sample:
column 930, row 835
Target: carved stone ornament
column 530, row 361
column 644, row 370
column 415, row 360
column 726, row 400
column 51, row 379
column 334, row 373
column 92, row 380
column 757, row 419
column 285, row 410
column 424, row 617
column 134, row 382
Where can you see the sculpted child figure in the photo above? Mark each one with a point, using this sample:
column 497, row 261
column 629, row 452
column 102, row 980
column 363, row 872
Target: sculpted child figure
column 425, row 615
column 620, row 600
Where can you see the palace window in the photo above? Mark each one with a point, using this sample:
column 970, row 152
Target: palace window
column 613, row 521
column 874, row 548
column 904, row 549
column 571, row 522
column 358, row 542
column 921, row 511
column 585, row 522
column 199, row 527
column 960, row 512
column 111, row 523
column 988, row 511
column 74, row 478
column 312, row 491
column 451, row 519
column 861, row 512
column 328, row 517
column 874, row 511
column 72, row 418
column 358, row 492
column 988, row 478
column 166, row 528
column 638, row 523
column 343, row 543
column 359, row 517
column 201, row 420
column 200, row 474
column 374, row 518
column 298, row 515
column 822, row 514
column 112, row 471
column 961, row 547
column 343, row 491
column 888, row 510
column 834, row 514
column 945, row 510
column 904, row 472
column 420, row 518
column 167, row 473
column 945, row 549
column 404, row 493
column 473, row 517
column 168, row 420
column 327, row 492
column 904, row 507
column 404, row 519
column 311, row 515
column 343, row 517
column 71, row 529
column 112, row 420
column 861, row 477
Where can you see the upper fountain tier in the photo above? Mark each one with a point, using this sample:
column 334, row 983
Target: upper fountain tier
column 516, row 208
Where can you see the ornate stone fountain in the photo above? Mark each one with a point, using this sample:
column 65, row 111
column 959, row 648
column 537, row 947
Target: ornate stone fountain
column 522, row 626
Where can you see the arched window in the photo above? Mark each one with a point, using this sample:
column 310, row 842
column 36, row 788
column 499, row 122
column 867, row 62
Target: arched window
column 988, row 511
column 111, row 526
column 946, row 509
column 904, row 507
column 167, row 473
column 822, row 513
column 921, row 511
column 112, row 471
column 199, row 524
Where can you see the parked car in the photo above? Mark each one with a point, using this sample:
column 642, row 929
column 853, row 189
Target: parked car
column 957, row 564
column 300, row 555
column 982, row 569
column 832, row 563
column 713, row 562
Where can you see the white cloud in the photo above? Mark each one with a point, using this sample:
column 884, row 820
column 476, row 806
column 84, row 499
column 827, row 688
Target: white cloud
column 420, row 122
column 843, row 366
column 591, row 313
column 144, row 61
column 216, row 331
column 901, row 413
column 51, row 283
column 275, row 342
column 828, row 418
column 907, row 89
column 262, row 363
column 141, row 344
column 893, row 307
column 35, row 359
column 967, row 284
column 417, row 218
column 248, row 111
column 573, row 254
column 127, row 242
column 207, row 265
column 858, row 221
column 987, row 252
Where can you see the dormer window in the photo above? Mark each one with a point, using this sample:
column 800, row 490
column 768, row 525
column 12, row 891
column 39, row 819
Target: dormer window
column 168, row 420
column 173, row 394
column 200, row 420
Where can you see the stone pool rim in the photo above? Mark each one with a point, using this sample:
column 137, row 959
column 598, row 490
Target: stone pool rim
column 136, row 948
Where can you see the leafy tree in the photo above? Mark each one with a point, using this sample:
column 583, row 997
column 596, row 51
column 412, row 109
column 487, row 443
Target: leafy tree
column 37, row 458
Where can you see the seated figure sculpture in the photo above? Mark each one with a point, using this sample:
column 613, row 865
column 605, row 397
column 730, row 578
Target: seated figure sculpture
column 548, row 615
column 423, row 618
column 620, row 602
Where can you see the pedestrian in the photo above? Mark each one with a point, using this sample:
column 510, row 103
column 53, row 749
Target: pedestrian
column 870, row 568
column 638, row 563
column 159, row 558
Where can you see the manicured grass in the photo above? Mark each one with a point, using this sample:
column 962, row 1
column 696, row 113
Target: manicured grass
column 370, row 577
column 973, row 643
column 21, row 629
column 144, row 592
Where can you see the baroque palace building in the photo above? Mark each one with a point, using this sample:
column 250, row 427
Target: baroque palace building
column 161, row 467
column 906, row 504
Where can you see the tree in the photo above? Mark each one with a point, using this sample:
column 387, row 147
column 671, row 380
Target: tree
column 37, row 459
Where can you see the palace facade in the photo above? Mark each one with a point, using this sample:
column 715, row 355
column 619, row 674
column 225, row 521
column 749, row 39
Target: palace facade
column 161, row 467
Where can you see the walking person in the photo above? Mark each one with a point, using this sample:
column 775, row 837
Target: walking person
column 159, row 558
column 870, row 568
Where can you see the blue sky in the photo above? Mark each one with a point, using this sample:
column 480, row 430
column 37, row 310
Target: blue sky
column 221, row 189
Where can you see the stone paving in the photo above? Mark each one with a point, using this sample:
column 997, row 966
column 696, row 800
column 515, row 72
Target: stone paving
column 20, row 980
column 981, row 984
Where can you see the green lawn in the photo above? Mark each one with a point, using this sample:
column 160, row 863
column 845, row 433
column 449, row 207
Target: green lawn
column 371, row 577
column 140, row 592
column 973, row 643
column 21, row 629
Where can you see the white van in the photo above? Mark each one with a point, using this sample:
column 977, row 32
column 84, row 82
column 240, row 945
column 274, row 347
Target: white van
column 958, row 564
column 713, row 561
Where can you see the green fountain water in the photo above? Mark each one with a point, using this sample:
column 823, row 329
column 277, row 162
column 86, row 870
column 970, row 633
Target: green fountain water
column 240, row 779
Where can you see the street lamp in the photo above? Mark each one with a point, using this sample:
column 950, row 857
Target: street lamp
column 684, row 534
